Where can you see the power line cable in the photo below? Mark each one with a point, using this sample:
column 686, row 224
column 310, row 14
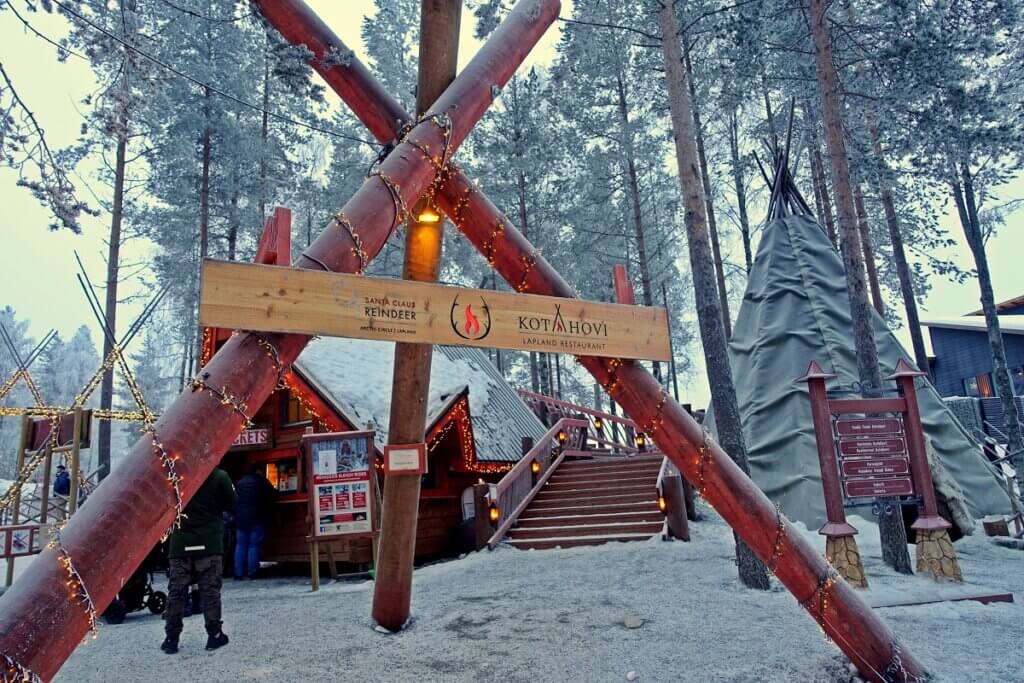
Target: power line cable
column 207, row 86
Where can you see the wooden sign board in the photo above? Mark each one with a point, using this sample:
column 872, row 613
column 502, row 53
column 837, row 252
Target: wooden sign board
column 405, row 459
column 870, row 467
column 869, row 426
column 875, row 488
column 277, row 299
column 853, row 448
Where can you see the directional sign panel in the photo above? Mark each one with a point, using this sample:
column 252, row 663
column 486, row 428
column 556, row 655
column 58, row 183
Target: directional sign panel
column 878, row 488
column 869, row 426
column 853, row 448
column 875, row 467
column 247, row 296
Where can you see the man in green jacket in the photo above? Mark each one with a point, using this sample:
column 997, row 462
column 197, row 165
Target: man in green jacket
column 197, row 549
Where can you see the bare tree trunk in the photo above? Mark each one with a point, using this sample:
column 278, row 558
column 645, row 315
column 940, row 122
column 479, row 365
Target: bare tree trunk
column 633, row 189
column 204, row 222
column 233, row 227
column 534, row 375
column 898, row 252
column 705, row 178
column 741, row 190
column 818, row 168
column 962, row 182
column 869, row 252
column 723, row 397
column 893, row 534
column 110, row 305
column 265, row 132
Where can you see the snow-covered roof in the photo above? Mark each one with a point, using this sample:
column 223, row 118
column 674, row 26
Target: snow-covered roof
column 1009, row 324
column 355, row 375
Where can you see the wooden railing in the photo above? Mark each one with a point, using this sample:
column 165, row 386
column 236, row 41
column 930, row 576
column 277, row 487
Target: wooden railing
column 517, row 488
column 620, row 440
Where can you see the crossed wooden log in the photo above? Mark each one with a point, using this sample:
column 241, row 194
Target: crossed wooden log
column 47, row 612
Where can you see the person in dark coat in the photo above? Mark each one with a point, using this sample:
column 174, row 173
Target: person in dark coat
column 62, row 482
column 197, row 549
column 255, row 497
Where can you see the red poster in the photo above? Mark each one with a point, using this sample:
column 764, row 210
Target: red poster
column 874, row 488
column 342, row 500
column 875, row 467
column 869, row 426
column 853, row 448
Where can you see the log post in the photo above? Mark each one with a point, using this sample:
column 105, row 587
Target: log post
column 851, row 624
column 392, row 591
column 840, row 544
column 935, row 553
column 675, row 510
column 483, row 529
column 39, row 625
column 76, row 451
column 15, row 510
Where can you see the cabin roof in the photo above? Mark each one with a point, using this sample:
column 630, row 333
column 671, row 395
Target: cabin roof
column 355, row 377
column 1008, row 324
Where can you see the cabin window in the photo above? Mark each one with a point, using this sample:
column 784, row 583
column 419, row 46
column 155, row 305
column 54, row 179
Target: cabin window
column 295, row 412
column 284, row 475
column 468, row 505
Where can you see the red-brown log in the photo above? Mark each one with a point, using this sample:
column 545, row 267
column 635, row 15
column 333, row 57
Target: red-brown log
column 844, row 616
column 41, row 622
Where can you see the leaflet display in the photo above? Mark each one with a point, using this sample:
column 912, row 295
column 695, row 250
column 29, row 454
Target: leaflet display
column 341, row 489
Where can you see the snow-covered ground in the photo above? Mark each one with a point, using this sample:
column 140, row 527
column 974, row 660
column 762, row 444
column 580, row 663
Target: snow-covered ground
column 559, row 615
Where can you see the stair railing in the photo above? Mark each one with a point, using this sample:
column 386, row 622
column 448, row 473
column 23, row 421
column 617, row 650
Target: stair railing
column 518, row 487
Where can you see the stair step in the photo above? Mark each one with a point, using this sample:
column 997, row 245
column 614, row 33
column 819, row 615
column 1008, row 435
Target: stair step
column 576, row 530
column 601, row 489
column 575, row 541
column 610, row 463
column 562, row 510
column 558, row 483
column 590, row 501
column 650, row 513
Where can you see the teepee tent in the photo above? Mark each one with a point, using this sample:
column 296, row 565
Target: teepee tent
column 795, row 310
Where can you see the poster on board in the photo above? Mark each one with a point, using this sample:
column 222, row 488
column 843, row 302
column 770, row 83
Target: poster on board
column 341, row 488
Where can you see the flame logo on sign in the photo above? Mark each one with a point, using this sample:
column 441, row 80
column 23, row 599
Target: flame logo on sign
column 470, row 326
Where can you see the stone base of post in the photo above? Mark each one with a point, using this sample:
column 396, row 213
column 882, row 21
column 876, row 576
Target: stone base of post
column 936, row 556
column 843, row 554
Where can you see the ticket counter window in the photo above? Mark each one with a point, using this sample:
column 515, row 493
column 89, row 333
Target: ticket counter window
column 284, row 475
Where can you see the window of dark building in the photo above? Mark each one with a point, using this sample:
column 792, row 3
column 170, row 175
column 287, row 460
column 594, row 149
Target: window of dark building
column 979, row 386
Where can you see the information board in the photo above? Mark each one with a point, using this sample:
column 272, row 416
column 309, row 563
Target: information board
column 873, row 458
column 339, row 467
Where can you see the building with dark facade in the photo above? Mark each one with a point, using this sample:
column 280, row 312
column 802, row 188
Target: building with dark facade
column 962, row 362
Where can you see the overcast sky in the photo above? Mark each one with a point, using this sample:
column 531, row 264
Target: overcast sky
column 38, row 273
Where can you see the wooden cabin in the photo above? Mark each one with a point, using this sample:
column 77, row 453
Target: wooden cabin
column 475, row 426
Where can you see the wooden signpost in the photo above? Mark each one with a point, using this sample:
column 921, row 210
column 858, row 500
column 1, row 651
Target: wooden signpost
column 876, row 456
column 249, row 296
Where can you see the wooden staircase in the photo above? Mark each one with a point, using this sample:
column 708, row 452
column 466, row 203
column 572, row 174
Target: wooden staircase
column 589, row 502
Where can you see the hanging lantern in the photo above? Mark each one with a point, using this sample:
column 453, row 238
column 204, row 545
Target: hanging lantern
column 493, row 513
column 535, row 466
column 598, row 423
column 662, row 504
column 428, row 215
column 562, row 436
column 641, row 440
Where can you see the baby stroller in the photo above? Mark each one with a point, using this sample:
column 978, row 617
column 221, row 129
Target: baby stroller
column 137, row 592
